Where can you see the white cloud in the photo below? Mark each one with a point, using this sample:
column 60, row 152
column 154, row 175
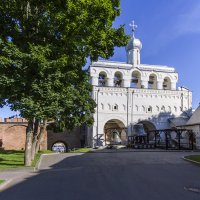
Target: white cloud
column 187, row 21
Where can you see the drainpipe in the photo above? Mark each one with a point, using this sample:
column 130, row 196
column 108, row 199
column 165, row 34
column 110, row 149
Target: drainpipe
column 127, row 112
column 182, row 100
column 132, row 108
column 97, row 142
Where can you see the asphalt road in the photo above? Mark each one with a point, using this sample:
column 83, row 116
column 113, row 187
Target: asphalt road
column 111, row 176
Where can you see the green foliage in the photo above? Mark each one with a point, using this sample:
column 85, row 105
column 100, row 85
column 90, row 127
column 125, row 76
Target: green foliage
column 43, row 46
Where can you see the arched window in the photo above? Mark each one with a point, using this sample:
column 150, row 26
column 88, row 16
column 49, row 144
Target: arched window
column 102, row 106
column 149, row 109
column 136, row 80
column 169, row 109
column 102, row 79
column 109, row 107
column 124, row 107
column 175, row 108
column 163, row 109
column 115, row 107
column 143, row 108
column 157, row 108
column 167, row 83
column 118, row 79
column 136, row 108
column 152, row 83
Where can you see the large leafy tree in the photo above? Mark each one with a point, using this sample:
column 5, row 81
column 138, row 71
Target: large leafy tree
column 43, row 46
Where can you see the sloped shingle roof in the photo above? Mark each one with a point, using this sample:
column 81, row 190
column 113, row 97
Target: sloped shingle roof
column 195, row 118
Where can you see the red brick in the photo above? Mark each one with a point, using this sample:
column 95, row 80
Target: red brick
column 15, row 120
column 7, row 120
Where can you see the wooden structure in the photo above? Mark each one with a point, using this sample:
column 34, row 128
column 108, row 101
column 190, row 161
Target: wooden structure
column 164, row 139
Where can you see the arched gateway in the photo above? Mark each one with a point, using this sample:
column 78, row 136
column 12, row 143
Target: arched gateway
column 148, row 126
column 115, row 132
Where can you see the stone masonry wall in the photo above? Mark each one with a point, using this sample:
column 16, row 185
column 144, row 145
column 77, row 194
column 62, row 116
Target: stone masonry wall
column 13, row 136
column 72, row 139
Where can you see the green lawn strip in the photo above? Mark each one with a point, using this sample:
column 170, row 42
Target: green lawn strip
column 193, row 158
column 81, row 150
column 15, row 159
column 11, row 159
column 37, row 157
column 2, row 181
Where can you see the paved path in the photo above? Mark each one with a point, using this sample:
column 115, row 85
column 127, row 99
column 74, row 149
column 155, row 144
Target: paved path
column 111, row 176
column 15, row 176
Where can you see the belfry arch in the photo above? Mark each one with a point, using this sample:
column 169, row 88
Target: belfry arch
column 167, row 83
column 152, row 83
column 102, row 79
column 115, row 132
column 136, row 79
column 118, row 79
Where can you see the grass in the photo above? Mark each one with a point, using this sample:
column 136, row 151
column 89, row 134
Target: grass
column 11, row 159
column 81, row 150
column 2, row 181
column 194, row 158
column 15, row 159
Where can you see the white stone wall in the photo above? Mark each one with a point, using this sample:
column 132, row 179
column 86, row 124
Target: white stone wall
column 163, row 103
column 136, row 104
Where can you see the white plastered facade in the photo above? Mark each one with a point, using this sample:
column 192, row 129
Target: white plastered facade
column 132, row 92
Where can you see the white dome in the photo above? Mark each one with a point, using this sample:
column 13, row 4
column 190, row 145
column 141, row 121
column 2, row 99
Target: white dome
column 134, row 44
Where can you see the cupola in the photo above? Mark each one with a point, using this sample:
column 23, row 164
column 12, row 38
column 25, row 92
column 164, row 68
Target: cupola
column 133, row 48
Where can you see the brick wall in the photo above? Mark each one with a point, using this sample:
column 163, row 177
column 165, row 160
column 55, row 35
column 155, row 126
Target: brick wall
column 13, row 136
column 71, row 138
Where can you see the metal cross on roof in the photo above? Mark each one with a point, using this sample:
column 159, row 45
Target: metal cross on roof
column 133, row 26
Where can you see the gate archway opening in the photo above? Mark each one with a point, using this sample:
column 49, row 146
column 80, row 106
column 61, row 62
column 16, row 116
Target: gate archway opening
column 148, row 127
column 141, row 135
column 115, row 132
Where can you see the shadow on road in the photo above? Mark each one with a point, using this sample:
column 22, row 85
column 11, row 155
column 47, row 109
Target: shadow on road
column 106, row 176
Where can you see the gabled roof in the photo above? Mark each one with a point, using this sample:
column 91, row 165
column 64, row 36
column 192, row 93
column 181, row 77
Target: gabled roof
column 195, row 118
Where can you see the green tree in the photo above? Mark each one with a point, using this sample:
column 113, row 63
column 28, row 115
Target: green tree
column 43, row 46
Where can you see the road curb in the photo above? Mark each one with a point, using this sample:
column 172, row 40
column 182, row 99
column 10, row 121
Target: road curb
column 4, row 184
column 37, row 166
column 22, row 169
column 192, row 161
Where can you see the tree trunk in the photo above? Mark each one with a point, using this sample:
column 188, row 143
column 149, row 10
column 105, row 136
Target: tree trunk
column 28, row 145
column 33, row 152
column 35, row 134
column 42, row 130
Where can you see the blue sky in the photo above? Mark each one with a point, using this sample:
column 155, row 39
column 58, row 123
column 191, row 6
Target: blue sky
column 170, row 33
